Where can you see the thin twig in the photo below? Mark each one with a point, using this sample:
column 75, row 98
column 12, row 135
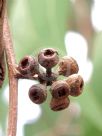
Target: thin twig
column 13, row 81
column 20, row 76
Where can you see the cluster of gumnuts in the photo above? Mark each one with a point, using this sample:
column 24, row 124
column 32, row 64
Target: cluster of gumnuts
column 40, row 68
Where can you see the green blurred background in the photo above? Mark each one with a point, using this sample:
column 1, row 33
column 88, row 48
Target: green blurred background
column 36, row 24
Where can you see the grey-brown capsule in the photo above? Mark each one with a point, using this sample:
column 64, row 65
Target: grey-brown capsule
column 28, row 66
column 76, row 84
column 37, row 93
column 68, row 66
column 59, row 104
column 60, row 89
column 48, row 58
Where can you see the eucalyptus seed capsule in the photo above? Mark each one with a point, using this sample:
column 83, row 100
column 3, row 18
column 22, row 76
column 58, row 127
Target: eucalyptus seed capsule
column 59, row 104
column 48, row 58
column 38, row 93
column 68, row 66
column 60, row 89
column 76, row 84
column 28, row 66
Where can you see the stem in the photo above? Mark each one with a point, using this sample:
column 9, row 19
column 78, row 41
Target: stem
column 48, row 76
column 48, row 72
column 2, row 62
column 13, row 81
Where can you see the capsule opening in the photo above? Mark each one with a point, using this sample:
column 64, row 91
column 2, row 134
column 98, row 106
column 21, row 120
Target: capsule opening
column 48, row 52
column 24, row 63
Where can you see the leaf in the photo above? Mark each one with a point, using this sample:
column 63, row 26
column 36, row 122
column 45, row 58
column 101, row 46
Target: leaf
column 39, row 24
column 3, row 113
column 89, row 128
column 90, row 107
column 96, row 82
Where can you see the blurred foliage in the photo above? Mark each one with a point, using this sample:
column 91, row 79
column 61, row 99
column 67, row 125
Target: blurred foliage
column 90, row 3
column 36, row 24
column 42, row 24
column 97, row 74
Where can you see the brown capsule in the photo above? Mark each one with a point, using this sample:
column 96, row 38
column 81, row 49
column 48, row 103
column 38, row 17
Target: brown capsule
column 28, row 66
column 48, row 58
column 37, row 93
column 76, row 84
column 60, row 89
column 68, row 66
column 59, row 104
